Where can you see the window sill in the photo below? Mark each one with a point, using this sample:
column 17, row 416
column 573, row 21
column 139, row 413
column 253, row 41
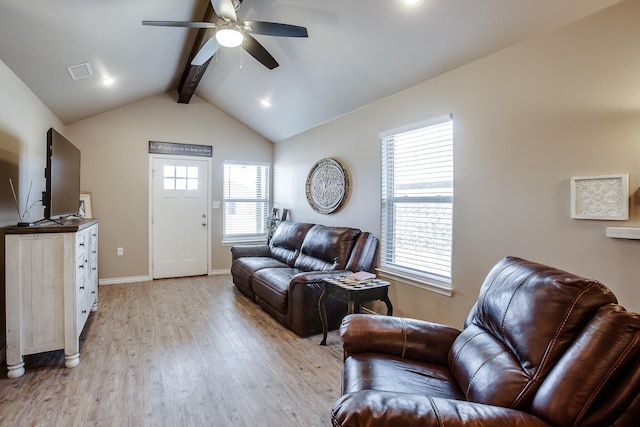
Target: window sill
column 243, row 241
column 432, row 285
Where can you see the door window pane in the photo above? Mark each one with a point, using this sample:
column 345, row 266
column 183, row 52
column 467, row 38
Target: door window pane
column 181, row 177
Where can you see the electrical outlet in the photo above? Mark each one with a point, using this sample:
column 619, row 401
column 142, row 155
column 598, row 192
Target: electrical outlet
column 120, row 251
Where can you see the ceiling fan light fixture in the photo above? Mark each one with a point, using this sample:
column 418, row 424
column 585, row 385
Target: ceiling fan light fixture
column 229, row 37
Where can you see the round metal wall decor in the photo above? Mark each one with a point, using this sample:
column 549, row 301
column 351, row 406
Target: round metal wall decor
column 327, row 186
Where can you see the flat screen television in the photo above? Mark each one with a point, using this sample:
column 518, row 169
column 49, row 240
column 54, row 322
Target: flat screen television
column 62, row 195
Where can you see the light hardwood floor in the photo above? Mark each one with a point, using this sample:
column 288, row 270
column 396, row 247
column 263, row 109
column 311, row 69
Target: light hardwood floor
column 179, row 352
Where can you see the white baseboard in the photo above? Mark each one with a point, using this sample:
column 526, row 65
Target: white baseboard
column 120, row 280
column 134, row 279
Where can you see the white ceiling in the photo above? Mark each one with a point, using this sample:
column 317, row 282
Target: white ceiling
column 358, row 51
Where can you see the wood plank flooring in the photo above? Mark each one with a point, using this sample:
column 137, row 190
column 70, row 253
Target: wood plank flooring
column 179, row 352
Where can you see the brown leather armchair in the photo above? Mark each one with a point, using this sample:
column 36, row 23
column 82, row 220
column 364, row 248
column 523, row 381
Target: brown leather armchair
column 540, row 347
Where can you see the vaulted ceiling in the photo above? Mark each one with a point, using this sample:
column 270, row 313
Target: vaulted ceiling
column 357, row 52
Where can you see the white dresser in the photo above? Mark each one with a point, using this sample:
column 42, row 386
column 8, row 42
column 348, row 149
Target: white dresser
column 51, row 287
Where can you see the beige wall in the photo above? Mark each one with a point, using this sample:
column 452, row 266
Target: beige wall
column 24, row 121
column 115, row 170
column 525, row 121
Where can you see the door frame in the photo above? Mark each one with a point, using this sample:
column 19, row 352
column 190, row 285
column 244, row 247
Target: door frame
column 209, row 193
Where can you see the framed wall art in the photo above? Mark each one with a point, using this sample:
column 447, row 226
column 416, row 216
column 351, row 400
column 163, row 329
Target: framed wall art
column 604, row 197
column 327, row 186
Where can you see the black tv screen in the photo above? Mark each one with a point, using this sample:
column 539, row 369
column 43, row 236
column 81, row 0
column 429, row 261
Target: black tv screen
column 62, row 194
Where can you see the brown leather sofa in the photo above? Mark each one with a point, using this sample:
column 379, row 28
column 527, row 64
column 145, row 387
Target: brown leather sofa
column 285, row 276
column 541, row 347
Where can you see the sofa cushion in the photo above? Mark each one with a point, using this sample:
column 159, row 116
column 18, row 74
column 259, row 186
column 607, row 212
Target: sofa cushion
column 286, row 241
column 272, row 286
column 605, row 350
column 363, row 255
column 244, row 268
column 326, row 248
column 368, row 371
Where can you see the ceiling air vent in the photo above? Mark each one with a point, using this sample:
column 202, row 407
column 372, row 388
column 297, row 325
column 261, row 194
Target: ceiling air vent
column 80, row 71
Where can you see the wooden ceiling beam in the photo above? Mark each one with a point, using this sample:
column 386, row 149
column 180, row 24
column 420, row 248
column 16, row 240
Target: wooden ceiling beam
column 192, row 74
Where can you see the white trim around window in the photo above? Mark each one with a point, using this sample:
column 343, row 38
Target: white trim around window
column 417, row 204
column 246, row 201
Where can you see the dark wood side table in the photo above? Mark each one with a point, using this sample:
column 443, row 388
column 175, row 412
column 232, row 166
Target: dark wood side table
column 353, row 294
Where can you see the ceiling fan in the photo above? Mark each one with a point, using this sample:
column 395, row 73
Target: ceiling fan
column 232, row 33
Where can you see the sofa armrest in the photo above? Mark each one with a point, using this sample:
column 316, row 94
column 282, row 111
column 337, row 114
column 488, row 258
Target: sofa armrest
column 381, row 408
column 304, row 294
column 317, row 276
column 397, row 336
column 249, row 250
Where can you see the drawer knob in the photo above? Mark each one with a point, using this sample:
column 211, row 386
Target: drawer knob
column 81, row 287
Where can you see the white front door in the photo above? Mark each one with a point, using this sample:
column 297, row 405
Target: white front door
column 179, row 217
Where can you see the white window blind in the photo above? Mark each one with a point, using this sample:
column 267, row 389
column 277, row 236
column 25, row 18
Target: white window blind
column 245, row 200
column 417, row 200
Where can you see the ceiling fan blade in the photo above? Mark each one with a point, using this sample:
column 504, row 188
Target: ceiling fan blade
column 258, row 51
column 224, row 9
column 206, row 52
column 274, row 29
column 187, row 24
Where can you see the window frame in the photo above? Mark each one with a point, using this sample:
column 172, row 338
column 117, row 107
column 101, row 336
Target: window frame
column 266, row 201
column 419, row 277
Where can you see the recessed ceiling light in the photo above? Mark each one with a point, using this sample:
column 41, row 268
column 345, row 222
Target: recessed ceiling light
column 108, row 81
column 413, row 3
column 265, row 103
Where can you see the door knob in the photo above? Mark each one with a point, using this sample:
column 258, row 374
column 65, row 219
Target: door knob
column 204, row 224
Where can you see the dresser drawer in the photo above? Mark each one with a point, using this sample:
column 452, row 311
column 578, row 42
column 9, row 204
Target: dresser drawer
column 84, row 308
column 82, row 243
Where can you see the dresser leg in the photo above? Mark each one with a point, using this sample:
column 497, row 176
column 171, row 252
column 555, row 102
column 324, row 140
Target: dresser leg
column 15, row 371
column 72, row 361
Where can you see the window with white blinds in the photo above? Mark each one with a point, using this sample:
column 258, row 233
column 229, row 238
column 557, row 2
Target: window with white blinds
column 245, row 201
column 417, row 200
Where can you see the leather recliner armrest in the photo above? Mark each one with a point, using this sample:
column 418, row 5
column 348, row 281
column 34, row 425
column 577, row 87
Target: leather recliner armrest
column 379, row 408
column 397, row 336
column 317, row 276
column 249, row 250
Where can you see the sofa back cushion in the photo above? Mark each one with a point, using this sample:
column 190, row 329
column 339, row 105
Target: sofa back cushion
column 603, row 358
column 363, row 255
column 287, row 239
column 525, row 319
column 326, row 248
